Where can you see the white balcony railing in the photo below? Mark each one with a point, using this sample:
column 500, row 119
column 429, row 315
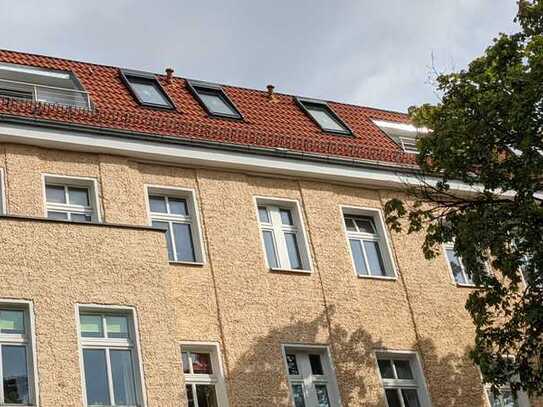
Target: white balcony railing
column 43, row 93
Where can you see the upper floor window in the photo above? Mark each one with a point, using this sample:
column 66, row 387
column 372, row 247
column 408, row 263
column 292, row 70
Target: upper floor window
column 367, row 240
column 204, row 381
column 3, row 208
column 146, row 88
column 311, row 378
column 402, row 379
column 110, row 360
column 283, row 235
column 42, row 85
column 72, row 199
column 324, row 116
column 404, row 134
column 16, row 357
column 214, row 100
column 457, row 268
column 175, row 212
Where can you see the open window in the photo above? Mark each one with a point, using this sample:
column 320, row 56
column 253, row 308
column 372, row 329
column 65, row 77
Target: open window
column 146, row 89
column 214, row 100
column 403, row 134
column 323, row 115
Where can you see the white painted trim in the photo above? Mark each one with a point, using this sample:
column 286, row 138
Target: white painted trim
column 3, row 203
column 399, row 128
column 197, row 233
column 298, row 217
column 215, row 158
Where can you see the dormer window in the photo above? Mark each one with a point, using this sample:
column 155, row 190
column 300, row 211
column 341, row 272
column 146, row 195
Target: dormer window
column 22, row 82
column 146, row 89
column 214, row 100
column 324, row 116
column 403, row 134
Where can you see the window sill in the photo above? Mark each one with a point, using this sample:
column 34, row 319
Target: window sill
column 385, row 278
column 293, row 271
column 187, row 263
column 465, row 285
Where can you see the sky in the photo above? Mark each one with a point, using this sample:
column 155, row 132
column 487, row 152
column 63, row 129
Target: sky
column 367, row 52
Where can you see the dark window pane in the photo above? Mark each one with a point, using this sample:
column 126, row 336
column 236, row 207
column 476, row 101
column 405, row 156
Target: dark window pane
column 91, row 326
column 269, row 243
column 148, row 91
column 57, row 215
column 286, row 217
column 410, row 398
column 79, row 217
column 349, row 224
column 316, row 365
column 358, row 256
column 55, row 194
column 205, row 393
column 157, row 204
column 14, row 366
column 293, row 251
column 190, row 395
column 122, row 374
column 12, row 322
column 503, row 399
column 292, row 365
column 403, row 369
column 385, row 367
column 298, row 395
column 215, row 103
column 96, row 377
column 117, row 326
column 165, row 226
column 365, row 225
column 322, row 395
column 375, row 260
column 456, row 267
column 185, row 361
column 78, row 196
column 201, row 363
column 178, row 206
column 393, row 398
column 263, row 215
column 184, row 247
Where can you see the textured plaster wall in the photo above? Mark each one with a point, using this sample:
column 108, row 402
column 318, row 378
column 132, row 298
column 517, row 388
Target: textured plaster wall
column 233, row 299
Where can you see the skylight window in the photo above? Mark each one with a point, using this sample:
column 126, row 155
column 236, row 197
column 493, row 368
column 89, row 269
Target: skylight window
column 214, row 100
column 147, row 90
column 324, row 116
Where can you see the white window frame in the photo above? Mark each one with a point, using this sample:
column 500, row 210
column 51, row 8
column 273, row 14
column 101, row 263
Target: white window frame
column 216, row 379
column 383, row 240
column 3, row 203
column 306, row 378
column 450, row 246
column 132, row 344
column 189, row 195
column 278, row 229
column 73, row 181
column 28, row 340
column 418, row 382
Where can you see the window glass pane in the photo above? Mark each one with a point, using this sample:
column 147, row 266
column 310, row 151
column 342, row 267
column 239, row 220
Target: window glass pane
column 365, row 225
column 325, row 119
column 117, row 326
column 403, row 369
column 201, row 363
column 215, row 103
column 12, row 322
column 57, row 215
column 205, row 393
column 349, row 224
column 298, row 395
column 293, row 251
column 55, row 194
column 504, row 399
column 190, row 395
column 358, row 256
column 322, row 395
column 178, row 206
column 185, row 361
column 270, row 248
column 91, row 326
column 14, row 367
column 385, row 367
column 286, row 217
column 456, row 266
column 184, row 247
column 78, row 196
column 165, row 226
column 393, row 398
column 148, row 91
column 263, row 215
column 96, row 381
column 79, row 217
column 410, row 398
column 316, row 365
column 122, row 375
column 157, row 204
column 292, row 365
column 374, row 258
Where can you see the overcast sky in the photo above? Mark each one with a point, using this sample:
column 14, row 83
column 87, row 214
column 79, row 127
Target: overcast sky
column 369, row 52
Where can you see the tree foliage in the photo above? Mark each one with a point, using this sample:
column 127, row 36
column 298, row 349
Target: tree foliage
column 486, row 132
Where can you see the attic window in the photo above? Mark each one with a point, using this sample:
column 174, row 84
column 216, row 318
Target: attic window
column 146, row 89
column 42, row 85
column 324, row 116
column 214, row 100
column 403, row 134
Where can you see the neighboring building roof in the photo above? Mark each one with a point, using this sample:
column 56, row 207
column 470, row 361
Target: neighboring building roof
column 278, row 123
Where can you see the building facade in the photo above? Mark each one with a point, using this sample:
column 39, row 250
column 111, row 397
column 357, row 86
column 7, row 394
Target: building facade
column 167, row 242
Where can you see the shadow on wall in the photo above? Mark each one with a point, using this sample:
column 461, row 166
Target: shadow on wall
column 259, row 375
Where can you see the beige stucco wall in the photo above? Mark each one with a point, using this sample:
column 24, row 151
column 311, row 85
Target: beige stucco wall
column 233, row 299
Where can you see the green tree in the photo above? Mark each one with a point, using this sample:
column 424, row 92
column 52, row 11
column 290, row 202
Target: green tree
column 486, row 131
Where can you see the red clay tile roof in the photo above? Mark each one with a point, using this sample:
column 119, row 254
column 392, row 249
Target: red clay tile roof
column 278, row 124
